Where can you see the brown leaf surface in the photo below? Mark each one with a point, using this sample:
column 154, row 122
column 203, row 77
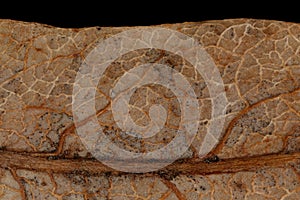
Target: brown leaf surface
column 258, row 156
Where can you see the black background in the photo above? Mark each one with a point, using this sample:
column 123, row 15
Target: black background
column 78, row 14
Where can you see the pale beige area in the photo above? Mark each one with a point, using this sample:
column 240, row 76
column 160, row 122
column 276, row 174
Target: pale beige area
column 258, row 60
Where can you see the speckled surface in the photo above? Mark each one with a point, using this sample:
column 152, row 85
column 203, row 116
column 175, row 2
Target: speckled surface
column 259, row 63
